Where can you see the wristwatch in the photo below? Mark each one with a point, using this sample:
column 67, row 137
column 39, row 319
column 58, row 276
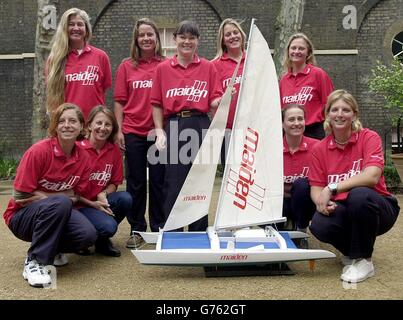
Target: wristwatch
column 333, row 188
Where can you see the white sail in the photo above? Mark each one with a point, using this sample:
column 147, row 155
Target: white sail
column 194, row 198
column 252, row 188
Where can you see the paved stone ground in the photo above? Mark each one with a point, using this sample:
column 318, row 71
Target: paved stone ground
column 99, row 277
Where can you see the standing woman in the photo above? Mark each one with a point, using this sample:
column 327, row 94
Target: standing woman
column 104, row 206
column 304, row 83
column 50, row 177
column 230, row 50
column 134, row 115
column 297, row 149
column 76, row 71
column 185, row 89
column 348, row 187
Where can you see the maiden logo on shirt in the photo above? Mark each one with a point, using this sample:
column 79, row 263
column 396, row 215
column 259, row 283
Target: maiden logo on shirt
column 142, row 84
column 87, row 77
column 194, row 92
column 59, row 186
column 102, row 177
column 291, row 179
column 356, row 169
column 226, row 82
column 301, row 97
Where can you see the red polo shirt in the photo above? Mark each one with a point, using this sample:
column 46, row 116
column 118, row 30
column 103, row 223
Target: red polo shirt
column 176, row 88
column 106, row 168
column 296, row 165
column 44, row 167
column 331, row 163
column 310, row 88
column 132, row 89
column 225, row 68
column 87, row 77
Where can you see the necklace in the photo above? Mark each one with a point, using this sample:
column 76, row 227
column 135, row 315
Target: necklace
column 341, row 143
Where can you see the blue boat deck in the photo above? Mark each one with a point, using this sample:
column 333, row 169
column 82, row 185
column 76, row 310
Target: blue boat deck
column 191, row 240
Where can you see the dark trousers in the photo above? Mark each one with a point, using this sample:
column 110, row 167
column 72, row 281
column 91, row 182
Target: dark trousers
column 106, row 225
column 52, row 226
column 353, row 227
column 181, row 152
column 299, row 208
column 136, row 179
column 315, row 130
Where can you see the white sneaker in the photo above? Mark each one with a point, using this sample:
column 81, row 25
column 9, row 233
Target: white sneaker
column 36, row 274
column 346, row 260
column 60, row 260
column 359, row 270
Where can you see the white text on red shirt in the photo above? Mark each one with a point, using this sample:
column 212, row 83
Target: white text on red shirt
column 301, row 97
column 356, row 169
column 88, row 77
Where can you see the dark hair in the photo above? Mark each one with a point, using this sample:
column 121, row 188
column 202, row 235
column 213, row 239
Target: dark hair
column 135, row 52
column 290, row 106
column 109, row 113
column 187, row 27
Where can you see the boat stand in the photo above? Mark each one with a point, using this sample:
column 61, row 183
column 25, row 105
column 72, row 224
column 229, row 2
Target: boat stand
column 272, row 269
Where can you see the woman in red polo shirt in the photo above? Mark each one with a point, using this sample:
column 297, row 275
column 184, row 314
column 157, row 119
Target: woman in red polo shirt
column 104, row 206
column 348, row 187
column 231, row 41
column 134, row 114
column 185, row 89
column 76, row 71
column 297, row 206
column 50, row 177
column 304, row 83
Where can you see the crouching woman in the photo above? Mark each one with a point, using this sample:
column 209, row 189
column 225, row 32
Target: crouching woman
column 348, row 187
column 51, row 175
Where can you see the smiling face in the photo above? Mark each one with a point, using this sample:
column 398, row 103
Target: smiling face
column 186, row 44
column 147, row 39
column 341, row 116
column 232, row 37
column 294, row 122
column 100, row 127
column 76, row 31
column 298, row 51
column 68, row 126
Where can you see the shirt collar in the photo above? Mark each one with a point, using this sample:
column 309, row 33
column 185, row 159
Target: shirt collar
column 87, row 48
column 225, row 56
column 58, row 152
column 86, row 144
column 302, row 147
column 333, row 145
column 305, row 71
column 175, row 63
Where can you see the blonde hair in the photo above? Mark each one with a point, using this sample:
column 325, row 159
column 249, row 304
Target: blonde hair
column 55, row 117
column 57, row 58
column 221, row 48
column 310, row 59
column 135, row 52
column 348, row 98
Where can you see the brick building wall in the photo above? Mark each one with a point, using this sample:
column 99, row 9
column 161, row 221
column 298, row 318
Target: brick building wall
column 114, row 20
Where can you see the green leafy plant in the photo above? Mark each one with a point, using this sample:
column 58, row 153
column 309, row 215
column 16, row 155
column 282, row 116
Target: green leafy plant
column 387, row 81
column 8, row 168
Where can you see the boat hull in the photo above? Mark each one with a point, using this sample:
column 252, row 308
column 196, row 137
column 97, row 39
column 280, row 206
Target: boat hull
column 208, row 257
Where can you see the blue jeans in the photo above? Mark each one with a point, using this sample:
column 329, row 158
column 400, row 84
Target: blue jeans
column 106, row 225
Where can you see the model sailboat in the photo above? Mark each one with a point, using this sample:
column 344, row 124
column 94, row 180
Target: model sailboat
column 252, row 187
